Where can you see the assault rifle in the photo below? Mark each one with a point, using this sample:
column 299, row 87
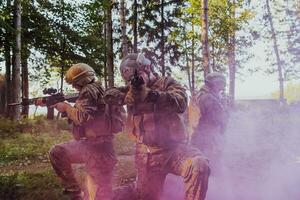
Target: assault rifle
column 53, row 98
column 137, row 81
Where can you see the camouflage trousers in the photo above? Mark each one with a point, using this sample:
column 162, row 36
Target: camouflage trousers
column 98, row 157
column 212, row 145
column 182, row 160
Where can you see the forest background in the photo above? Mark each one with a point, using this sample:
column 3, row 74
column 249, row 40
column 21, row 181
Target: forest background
column 255, row 43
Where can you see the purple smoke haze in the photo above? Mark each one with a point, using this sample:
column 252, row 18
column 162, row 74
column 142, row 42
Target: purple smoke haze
column 261, row 159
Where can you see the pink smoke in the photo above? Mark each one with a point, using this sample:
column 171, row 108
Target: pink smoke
column 259, row 159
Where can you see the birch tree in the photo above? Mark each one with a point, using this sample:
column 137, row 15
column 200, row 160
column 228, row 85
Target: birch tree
column 16, row 75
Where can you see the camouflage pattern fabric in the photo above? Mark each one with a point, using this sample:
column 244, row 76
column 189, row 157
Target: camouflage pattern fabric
column 159, row 131
column 98, row 157
column 88, row 116
column 207, row 135
column 161, row 123
column 92, row 146
column 182, row 160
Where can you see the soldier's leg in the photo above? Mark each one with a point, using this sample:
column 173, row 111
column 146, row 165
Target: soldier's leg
column 212, row 147
column 99, row 184
column 99, row 167
column 125, row 192
column 150, row 177
column 61, row 157
column 189, row 163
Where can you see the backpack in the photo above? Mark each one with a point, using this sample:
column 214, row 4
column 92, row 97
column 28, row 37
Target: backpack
column 115, row 116
column 115, row 113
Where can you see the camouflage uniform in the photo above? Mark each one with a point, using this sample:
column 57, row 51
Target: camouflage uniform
column 161, row 143
column 92, row 146
column 208, row 133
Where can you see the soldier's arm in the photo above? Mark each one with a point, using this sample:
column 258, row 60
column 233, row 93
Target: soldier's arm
column 115, row 95
column 215, row 111
column 173, row 99
column 87, row 105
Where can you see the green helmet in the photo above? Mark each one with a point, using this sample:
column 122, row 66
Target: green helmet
column 215, row 78
column 80, row 74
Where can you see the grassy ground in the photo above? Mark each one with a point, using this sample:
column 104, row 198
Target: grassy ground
column 25, row 171
column 256, row 141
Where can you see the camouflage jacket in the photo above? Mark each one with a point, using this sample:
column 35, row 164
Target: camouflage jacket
column 213, row 117
column 158, row 124
column 88, row 114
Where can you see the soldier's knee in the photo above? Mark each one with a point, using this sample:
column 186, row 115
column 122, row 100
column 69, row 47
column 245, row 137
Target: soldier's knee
column 200, row 165
column 56, row 152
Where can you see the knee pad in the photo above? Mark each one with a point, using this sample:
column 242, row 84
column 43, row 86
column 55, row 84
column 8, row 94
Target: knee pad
column 56, row 151
column 200, row 165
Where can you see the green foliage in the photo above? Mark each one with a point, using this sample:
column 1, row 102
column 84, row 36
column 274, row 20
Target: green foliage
column 29, row 138
column 39, row 186
column 150, row 30
column 33, row 138
column 292, row 93
column 37, row 125
column 62, row 32
column 123, row 145
column 28, row 145
column 222, row 24
column 286, row 26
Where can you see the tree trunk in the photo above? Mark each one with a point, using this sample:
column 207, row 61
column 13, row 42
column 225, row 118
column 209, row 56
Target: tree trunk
column 193, row 58
column 123, row 28
column 25, row 81
column 2, row 96
column 204, row 38
column 109, row 43
column 187, row 60
column 105, row 57
column 62, row 46
column 163, row 70
column 213, row 64
column 7, row 88
column 135, row 33
column 7, row 55
column 278, row 60
column 16, row 78
column 231, row 59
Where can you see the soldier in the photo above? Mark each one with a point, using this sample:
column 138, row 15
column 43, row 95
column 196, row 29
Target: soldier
column 155, row 105
column 92, row 144
column 207, row 134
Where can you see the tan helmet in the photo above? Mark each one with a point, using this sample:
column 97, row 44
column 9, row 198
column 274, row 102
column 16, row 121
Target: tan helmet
column 80, row 74
column 214, row 78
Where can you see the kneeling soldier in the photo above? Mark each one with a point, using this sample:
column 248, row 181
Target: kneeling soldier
column 92, row 144
column 155, row 105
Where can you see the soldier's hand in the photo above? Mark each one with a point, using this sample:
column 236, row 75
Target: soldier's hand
column 61, row 106
column 136, row 96
column 129, row 98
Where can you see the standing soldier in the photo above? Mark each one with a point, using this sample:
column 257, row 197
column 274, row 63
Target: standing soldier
column 92, row 144
column 208, row 131
column 155, row 105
